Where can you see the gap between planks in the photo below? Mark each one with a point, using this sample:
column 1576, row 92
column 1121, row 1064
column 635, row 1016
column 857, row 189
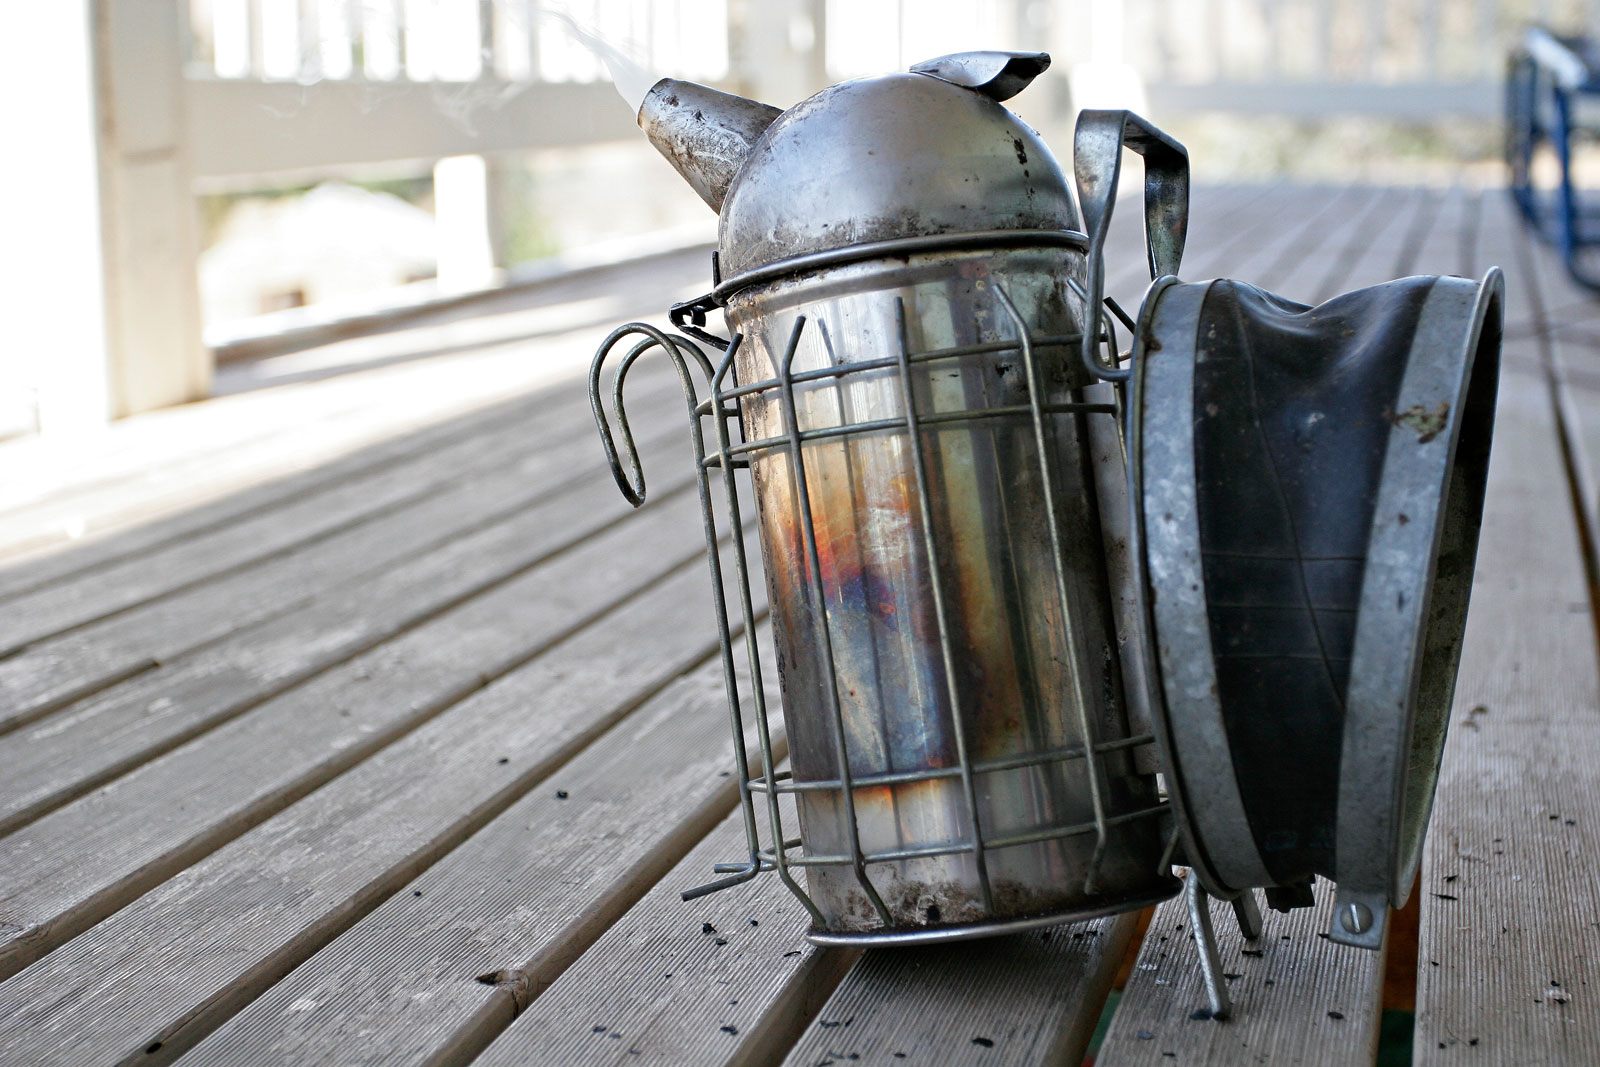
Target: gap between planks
column 152, row 976
column 71, row 868
column 72, row 603
column 45, row 677
column 49, row 763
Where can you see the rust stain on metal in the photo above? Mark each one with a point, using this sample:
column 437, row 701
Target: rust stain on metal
column 1425, row 423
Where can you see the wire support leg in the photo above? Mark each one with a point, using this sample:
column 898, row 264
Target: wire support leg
column 1205, row 940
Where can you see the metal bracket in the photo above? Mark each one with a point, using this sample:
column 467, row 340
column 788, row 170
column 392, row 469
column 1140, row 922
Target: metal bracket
column 1359, row 918
column 689, row 317
column 1097, row 147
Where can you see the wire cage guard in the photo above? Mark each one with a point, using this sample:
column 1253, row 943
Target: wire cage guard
column 993, row 816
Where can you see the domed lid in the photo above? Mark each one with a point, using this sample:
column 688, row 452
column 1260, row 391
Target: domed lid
column 902, row 155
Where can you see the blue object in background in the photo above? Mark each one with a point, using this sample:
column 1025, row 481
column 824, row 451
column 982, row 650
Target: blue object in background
column 1547, row 76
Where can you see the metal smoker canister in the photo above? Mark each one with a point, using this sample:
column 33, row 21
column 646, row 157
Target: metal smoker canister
column 897, row 256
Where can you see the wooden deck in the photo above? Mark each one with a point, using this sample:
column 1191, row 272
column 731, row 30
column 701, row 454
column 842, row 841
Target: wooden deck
column 352, row 717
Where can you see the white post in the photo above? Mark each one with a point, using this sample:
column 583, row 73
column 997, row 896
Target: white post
column 462, row 220
column 151, row 225
column 107, row 296
column 464, row 205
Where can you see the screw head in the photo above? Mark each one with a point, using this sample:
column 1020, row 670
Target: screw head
column 1356, row 918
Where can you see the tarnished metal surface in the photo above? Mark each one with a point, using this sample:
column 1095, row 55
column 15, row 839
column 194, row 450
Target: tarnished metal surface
column 1414, row 595
column 1021, row 668
column 1097, row 145
column 704, row 133
column 1218, row 839
column 997, row 75
column 902, row 270
column 1109, row 460
column 876, row 159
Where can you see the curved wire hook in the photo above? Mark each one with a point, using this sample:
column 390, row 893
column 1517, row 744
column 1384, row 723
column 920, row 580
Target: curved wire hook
column 683, row 351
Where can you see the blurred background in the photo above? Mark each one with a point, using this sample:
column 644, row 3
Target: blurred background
column 208, row 181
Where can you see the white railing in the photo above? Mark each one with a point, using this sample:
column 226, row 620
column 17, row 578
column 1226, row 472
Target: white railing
column 275, row 86
column 1405, row 59
column 279, row 86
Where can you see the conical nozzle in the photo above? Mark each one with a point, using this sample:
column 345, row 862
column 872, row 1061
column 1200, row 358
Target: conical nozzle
column 704, row 133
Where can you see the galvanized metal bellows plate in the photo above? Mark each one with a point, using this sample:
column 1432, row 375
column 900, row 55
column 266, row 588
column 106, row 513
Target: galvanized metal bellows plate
column 1309, row 484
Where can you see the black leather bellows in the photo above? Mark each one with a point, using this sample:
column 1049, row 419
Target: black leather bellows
column 1309, row 486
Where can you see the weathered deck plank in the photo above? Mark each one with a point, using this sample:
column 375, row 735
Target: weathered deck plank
column 1290, row 258
column 48, row 763
column 1369, row 244
column 1306, row 251
column 184, row 957
column 1024, row 999
column 673, row 992
column 1568, row 350
column 44, row 677
column 436, row 975
column 1446, row 246
column 142, row 828
column 1510, row 929
column 1298, row 998
column 72, row 602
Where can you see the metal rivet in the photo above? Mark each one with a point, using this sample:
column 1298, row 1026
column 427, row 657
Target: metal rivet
column 1356, row 918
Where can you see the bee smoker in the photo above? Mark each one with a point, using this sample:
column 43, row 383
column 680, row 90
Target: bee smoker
column 1012, row 573
column 901, row 262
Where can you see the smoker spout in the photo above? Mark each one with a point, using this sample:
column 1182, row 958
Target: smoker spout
column 704, row 133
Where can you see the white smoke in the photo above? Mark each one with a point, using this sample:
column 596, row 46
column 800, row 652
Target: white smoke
column 630, row 76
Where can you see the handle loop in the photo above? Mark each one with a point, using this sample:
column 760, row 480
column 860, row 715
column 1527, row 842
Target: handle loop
column 685, row 353
column 1097, row 165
